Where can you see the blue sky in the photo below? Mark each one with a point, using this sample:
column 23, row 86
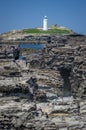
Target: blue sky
column 19, row 14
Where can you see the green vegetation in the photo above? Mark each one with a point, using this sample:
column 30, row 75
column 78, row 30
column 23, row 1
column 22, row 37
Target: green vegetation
column 49, row 31
column 32, row 31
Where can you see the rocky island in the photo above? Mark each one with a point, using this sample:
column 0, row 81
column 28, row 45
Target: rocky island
column 46, row 89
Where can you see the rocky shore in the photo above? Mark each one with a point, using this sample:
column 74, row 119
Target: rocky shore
column 48, row 92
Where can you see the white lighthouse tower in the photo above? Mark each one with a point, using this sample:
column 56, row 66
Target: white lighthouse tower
column 45, row 23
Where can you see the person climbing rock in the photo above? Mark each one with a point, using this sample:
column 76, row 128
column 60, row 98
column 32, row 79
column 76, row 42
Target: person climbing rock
column 16, row 52
column 48, row 39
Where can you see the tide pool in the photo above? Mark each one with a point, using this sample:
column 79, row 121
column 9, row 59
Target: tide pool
column 31, row 46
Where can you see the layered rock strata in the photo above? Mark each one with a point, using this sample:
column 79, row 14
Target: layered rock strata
column 47, row 93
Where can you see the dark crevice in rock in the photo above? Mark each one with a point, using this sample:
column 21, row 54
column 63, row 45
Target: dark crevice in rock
column 65, row 73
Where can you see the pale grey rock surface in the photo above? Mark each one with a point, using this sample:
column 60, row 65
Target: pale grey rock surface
column 50, row 92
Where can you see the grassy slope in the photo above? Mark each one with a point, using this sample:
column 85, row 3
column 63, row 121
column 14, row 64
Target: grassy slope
column 17, row 34
column 50, row 31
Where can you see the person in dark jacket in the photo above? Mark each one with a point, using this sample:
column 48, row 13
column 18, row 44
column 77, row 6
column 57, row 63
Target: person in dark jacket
column 16, row 52
column 49, row 39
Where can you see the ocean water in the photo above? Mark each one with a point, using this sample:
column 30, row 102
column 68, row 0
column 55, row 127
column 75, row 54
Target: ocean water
column 31, row 46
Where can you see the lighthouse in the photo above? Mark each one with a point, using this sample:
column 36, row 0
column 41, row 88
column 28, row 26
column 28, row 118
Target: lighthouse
column 45, row 23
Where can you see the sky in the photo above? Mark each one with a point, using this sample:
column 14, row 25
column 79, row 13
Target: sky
column 22, row 14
